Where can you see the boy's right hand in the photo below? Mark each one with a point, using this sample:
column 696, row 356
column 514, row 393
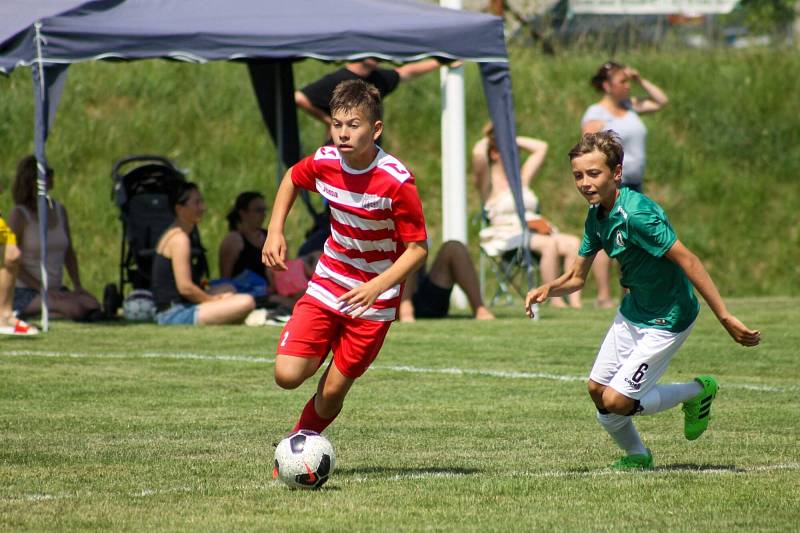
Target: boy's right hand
column 741, row 333
column 536, row 296
column 273, row 254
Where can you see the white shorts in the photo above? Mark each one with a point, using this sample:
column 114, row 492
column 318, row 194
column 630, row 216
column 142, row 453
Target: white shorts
column 632, row 359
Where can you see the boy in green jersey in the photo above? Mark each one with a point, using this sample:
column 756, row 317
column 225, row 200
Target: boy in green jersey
column 658, row 311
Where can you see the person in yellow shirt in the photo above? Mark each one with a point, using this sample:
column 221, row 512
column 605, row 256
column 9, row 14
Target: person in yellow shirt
column 9, row 265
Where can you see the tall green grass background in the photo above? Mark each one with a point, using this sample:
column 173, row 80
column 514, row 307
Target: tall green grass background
column 723, row 157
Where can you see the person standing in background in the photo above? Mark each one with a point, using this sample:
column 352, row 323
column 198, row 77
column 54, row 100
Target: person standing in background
column 618, row 111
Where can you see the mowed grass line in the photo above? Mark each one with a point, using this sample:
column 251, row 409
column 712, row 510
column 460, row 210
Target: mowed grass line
column 140, row 427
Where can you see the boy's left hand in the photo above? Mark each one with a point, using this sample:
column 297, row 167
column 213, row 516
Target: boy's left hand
column 741, row 333
column 536, row 296
column 356, row 301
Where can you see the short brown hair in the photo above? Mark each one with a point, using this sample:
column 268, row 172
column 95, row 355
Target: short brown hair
column 357, row 94
column 606, row 142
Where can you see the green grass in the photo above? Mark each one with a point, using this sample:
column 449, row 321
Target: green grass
column 146, row 428
column 722, row 157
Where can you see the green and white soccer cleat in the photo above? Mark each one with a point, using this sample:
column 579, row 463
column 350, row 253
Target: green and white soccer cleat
column 639, row 461
column 697, row 411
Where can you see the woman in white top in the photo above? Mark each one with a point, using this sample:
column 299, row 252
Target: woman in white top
column 504, row 231
column 76, row 304
column 618, row 111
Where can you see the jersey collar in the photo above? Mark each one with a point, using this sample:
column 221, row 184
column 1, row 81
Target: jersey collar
column 372, row 165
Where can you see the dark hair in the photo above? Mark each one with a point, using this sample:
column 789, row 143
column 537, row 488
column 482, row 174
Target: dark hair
column 23, row 190
column 604, row 73
column 357, row 94
column 242, row 202
column 180, row 193
column 606, row 142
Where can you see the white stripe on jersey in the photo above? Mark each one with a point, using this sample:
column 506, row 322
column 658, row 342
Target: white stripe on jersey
column 350, row 283
column 355, row 221
column 327, row 152
column 323, row 295
column 375, row 267
column 368, row 202
column 391, row 165
column 383, row 245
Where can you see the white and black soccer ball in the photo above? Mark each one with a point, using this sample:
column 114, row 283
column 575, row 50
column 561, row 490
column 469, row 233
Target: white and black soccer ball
column 139, row 306
column 304, row 460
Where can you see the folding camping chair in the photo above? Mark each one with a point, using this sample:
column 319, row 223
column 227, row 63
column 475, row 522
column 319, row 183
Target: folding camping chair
column 508, row 270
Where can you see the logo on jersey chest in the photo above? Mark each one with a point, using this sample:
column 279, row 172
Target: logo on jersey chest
column 619, row 239
column 330, row 192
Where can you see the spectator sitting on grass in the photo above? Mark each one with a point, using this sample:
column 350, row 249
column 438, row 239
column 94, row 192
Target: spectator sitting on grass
column 176, row 288
column 76, row 304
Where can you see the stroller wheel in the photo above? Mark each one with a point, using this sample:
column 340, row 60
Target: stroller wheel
column 112, row 300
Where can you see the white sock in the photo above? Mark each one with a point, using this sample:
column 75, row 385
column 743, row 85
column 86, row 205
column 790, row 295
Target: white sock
column 663, row 397
column 623, row 432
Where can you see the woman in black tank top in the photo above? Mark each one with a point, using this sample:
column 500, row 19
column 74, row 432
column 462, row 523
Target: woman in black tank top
column 179, row 298
column 241, row 247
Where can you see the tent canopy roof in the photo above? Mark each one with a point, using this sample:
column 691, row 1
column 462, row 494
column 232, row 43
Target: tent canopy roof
column 198, row 30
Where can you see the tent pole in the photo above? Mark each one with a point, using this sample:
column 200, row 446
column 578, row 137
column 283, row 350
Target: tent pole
column 40, row 137
column 454, row 172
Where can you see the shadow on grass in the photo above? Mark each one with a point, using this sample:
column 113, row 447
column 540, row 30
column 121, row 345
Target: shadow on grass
column 681, row 467
column 700, row 468
column 384, row 472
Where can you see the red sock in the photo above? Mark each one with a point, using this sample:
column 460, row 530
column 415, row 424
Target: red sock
column 309, row 419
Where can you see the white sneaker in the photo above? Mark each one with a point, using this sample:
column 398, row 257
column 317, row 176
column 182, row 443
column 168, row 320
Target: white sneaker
column 257, row 317
column 19, row 328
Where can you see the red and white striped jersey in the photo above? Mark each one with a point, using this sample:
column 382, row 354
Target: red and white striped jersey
column 373, row 213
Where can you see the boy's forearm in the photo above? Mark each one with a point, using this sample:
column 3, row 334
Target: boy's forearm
column 284, row 199
column 702, row 281
column 573, row 279
column 566, row 284
column 408, row 262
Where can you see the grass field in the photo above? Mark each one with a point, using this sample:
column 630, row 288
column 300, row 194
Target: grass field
column 459, row 426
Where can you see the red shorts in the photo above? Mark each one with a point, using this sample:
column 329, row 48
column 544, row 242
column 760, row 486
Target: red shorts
column 314, row 330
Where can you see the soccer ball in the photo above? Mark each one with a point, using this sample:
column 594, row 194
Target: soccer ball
column 139, row 306
column 304, row 460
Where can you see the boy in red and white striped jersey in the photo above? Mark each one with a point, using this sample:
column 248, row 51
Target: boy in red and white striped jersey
column 378, row 238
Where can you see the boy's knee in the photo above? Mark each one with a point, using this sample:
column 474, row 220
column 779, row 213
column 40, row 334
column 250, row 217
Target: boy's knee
column 617, row 403
column 287, row 381
column 596, row 391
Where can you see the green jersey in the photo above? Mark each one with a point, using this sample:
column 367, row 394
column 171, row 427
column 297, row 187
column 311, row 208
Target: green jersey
column 637, row 233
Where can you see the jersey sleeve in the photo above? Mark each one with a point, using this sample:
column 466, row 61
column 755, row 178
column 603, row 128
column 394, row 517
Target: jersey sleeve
column 304, row 174
column 652, row 232
column 390, row 79
column 409, row 220
column 595, row 112
column 319, row 92
column 591, row 243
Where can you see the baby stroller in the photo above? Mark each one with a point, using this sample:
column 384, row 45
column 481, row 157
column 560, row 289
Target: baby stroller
column 141, row 186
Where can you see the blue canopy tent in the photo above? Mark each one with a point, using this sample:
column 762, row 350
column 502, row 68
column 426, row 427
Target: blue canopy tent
column 50, row 35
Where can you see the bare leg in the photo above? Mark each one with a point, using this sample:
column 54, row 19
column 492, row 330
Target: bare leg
column 230, row 310
column 601, row 267
column 545, row 246
column 8, row 273
column 331, row 391
column 568, row 246
column 406, row 310
column 453, row 266
column 291, row 371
